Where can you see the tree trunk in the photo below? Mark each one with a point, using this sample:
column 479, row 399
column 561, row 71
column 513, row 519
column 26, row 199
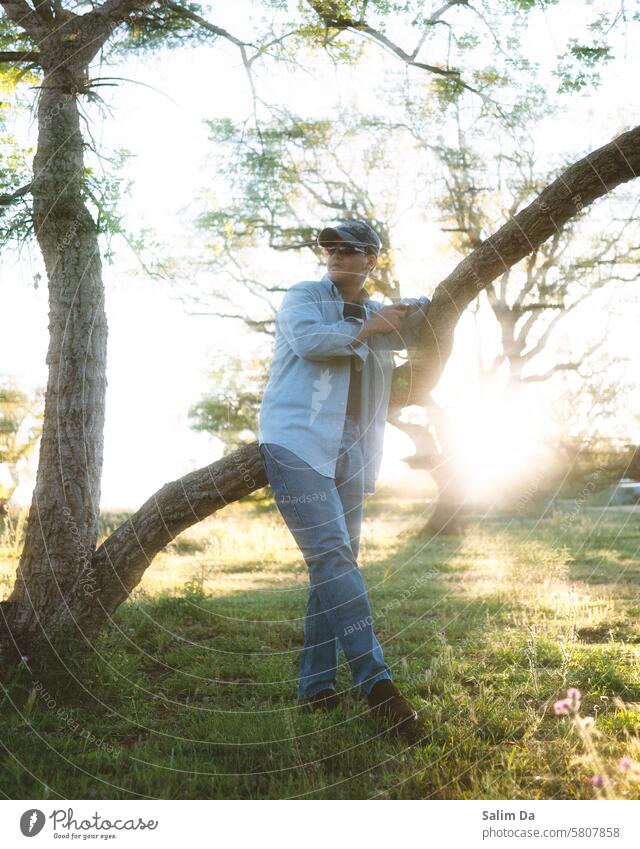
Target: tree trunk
column 62, row 527
column 449, row 514
column 71, row 456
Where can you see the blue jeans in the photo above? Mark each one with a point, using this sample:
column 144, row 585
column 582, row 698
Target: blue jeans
column 324, row 516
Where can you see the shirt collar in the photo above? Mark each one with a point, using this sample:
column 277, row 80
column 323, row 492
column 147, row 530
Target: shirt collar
column 364, row 295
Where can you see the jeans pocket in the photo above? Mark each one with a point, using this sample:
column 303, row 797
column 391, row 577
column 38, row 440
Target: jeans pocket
column 274, row 457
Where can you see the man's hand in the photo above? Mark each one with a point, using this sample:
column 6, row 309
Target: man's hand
column 387, row 319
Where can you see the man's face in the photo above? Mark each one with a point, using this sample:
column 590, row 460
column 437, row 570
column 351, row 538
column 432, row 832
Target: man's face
column 344, row 265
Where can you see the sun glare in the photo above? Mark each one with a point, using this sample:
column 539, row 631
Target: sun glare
column 498, row 447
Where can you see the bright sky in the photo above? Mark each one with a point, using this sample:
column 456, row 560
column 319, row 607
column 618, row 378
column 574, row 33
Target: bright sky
column 159, row 353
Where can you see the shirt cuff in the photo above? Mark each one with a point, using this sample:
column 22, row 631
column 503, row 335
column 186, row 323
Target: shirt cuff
column 359, row 347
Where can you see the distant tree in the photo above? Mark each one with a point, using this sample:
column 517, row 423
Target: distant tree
column 230, row 410
column 20, row 429
column 284, row 178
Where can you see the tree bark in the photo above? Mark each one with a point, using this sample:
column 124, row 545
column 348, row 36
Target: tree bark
column 86, row 598
column 62, row 526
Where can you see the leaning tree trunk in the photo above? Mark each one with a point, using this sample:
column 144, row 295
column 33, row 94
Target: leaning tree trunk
column 119, row 563
column 62, row 527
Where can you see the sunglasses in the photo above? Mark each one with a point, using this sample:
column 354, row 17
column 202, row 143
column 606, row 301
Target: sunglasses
column 344, row 250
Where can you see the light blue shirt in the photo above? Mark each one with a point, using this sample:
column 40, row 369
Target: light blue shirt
column 304, row 404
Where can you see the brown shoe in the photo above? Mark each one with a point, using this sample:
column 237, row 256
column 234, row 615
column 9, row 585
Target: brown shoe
column 387, row 702
column 324, row 700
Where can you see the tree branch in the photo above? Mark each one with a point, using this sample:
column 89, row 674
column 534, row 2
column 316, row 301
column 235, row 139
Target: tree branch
column 32, row 57
column 7, row 200
column 253, row 324
column 212, row 28
column 568, row 366
column 117, row 11
column 435, row 19
column 223, row 33
column 94, row 27
column 540, row 378
column 332, row 19
column 21, row 13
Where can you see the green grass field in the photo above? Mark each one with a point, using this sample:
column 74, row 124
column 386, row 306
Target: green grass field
column 192, row 691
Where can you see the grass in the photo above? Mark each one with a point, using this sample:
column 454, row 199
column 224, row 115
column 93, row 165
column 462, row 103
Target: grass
column 191, row 693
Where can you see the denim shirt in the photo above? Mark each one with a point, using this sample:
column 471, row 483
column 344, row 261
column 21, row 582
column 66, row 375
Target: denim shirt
column 304, row 403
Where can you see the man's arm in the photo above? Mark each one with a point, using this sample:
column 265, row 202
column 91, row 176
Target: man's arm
column 301, row 322
column 407, row 334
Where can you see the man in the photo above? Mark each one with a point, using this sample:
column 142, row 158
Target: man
column 321, row 429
